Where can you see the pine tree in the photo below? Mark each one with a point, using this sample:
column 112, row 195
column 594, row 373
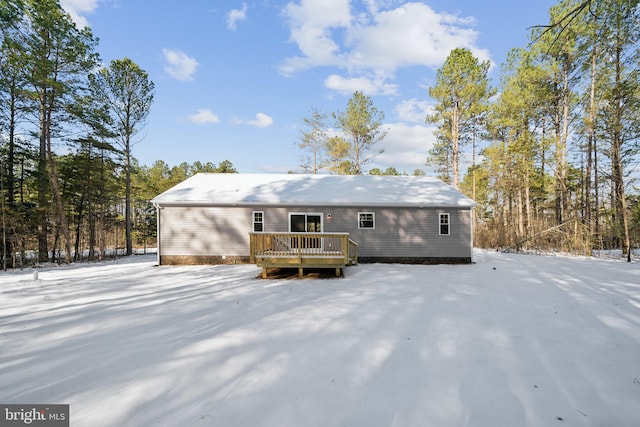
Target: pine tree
column 313, row 140
column 59, row 56
column 127, row 94
column 461, row 93
column 361, row 125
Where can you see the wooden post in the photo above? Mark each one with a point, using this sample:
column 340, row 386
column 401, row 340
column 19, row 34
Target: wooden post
column 345, row 250
column 264, row 272
column 301, row 272
column 252, row 248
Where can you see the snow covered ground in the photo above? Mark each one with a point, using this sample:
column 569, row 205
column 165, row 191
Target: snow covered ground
column 513, row 340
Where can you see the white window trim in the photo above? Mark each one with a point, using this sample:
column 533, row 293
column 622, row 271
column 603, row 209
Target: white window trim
column 254, row 222
column 440, row 223
column 373, row 214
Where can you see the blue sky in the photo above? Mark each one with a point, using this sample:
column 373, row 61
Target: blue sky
column 234, row 79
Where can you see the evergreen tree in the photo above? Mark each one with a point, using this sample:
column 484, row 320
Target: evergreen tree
column 127, row 94
column 313, row 140
column 390, row 171
column 361, row 125
column 462, row 93
column 620, row 103
column 58, row 57
column 338, row 156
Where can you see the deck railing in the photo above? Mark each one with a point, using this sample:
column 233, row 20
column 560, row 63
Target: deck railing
column 303, row 245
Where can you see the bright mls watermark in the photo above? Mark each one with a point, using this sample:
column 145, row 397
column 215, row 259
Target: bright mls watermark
column 34, row 415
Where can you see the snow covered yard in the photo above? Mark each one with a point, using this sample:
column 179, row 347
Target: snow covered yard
column 513, row 340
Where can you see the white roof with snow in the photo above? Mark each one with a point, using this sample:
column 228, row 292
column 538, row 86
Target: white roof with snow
column 325, row 190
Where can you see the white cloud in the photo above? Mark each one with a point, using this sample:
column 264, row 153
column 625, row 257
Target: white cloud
column 312, row 23
column 414, row 110
column 405, row 147
column 376, row 39
column 203, row 116
column 78, row 8
column 179, row 65
column 348, row 85
column 412, row 34
column 261, row 121
column 235, row 16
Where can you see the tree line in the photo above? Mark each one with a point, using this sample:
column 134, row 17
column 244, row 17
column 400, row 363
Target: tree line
column 550, row 153
column 560, row 166
column 70, row 185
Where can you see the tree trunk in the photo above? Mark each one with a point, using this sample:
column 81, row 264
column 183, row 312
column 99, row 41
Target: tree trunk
column 127, row 210
column 8, row 249
column 562, row 145
column 616, row 152
column 43, row 247
column 455, row 123
column 527, row 199
column 102, row 239
column 12, row 148
column 92, row 234
column 90, row 210
column 591, row 128
column 520, row 213
column 77, row 255
column 62, row 219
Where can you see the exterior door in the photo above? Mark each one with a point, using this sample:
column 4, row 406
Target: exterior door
column 305, row 223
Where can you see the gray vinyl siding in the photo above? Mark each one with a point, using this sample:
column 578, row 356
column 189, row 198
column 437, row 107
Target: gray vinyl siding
column 204, row 231
column 405, row 232
column 399, row 232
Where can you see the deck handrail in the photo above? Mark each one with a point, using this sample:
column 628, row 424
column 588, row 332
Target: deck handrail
column 353, row 252
column 330, row 245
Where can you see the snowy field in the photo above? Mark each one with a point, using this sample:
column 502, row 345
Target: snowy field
column 513, row 340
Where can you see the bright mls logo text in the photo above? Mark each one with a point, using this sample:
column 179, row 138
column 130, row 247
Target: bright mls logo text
column 36, row 415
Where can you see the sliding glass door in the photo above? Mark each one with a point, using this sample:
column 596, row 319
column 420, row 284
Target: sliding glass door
column 305, row 223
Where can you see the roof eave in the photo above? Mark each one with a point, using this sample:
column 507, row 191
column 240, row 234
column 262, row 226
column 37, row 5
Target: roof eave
column 332, row 204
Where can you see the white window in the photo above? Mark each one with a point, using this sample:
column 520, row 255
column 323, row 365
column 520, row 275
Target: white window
column 366, row 220
column 444, row 224
column 258, row 221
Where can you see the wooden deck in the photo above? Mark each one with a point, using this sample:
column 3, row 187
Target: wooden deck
column 302, row 250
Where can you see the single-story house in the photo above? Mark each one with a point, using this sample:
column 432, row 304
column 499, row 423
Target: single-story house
column 209, row 218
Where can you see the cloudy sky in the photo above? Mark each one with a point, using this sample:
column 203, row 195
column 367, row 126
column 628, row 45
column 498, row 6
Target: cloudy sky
column 234, row 79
